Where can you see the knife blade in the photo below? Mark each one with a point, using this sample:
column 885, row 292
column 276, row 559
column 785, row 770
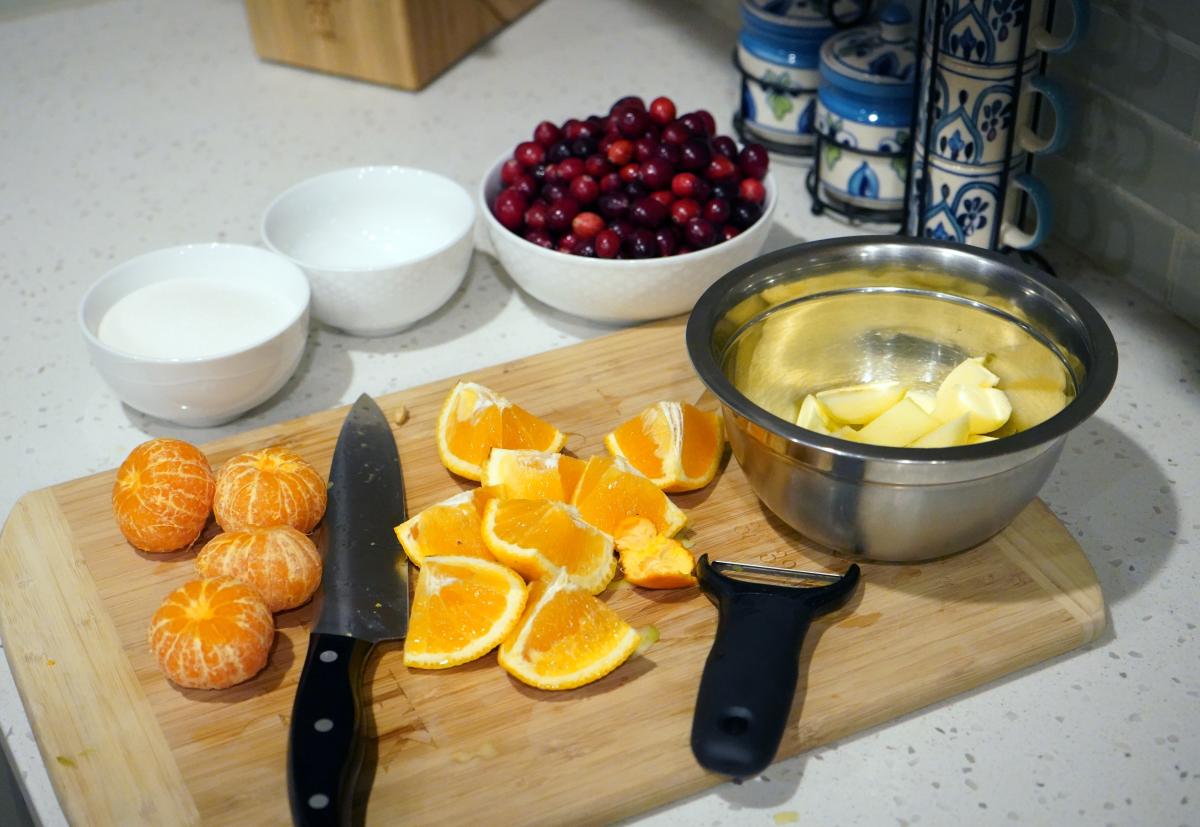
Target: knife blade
column 363, row 601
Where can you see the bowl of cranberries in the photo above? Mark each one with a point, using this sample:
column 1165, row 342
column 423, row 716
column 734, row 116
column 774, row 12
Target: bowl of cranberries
column 628, row 216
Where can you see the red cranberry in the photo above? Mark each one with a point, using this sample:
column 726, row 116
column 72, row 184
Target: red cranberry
column 664, row 197
column 644, row 148
column 754, row 160
column 699, row 233
column 729, row 231
column 630, row 172
column 510, row 208
column 703, row 190
column 684, row 184
column 723, row 189
column 573, row 128
column 585, row 247
column 530, row 153
column 657, row 174
column 716, row 211
column 668, row 153
column 561, row 213
column 584, row 189
column 623, row 227
column 710, row 123
column 628, row 100
column 745, row 213
column 631, row 121
column 547, row 134
column 674, row 133
column 587, row 224
column 752, row 190
column 559, row 152
column 555, row 191
column 724, row 145
column 620, row 152
column 613, row 204
column 684, row 210
column 538, row 172
column 641, row 244
column 510, row 170
column 611, row 182
column 596, row 166
column 541, row 238
column 648, row 212
column 694, row 124
column 526, row 186
column 668, row 241
column 535, row 216
column 582, row 147
column 662, row 111
column 636, row 190
column 720, row 168
column 567, row 243
column 608, row 244
column 694, row 154
column 570, row 169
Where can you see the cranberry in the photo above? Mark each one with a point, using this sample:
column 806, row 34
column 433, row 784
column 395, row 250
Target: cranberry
column 722, row 189
column 582, row 147
column 668, row 153
column 541, row 238
column 745, row 213
column 529, row 153
column 729, row 231
column 644, row 148
column 561, row 213
column 668, row 241
column 587, row 224
column 510, row 170
column 538, row 172
column 662, row 111
column 535, row 216
column 559, row 152
column 596, row 166
column 610, row 125
column 710, row 123
column 630, row 172
column 716, row 211
column 664, row 197
column 752, row 190
column 573, row 128
column 510, row 208
column 631, row 121
column 570, row 169
column 694, row 154
column 684, row 210
column 657, row 174
column 567, row 243
column 684, row 184
column 585, row 247
column 641, row 244
column 608, row 244
column 547, row 134
column 636, row 190
column 725, row 145
column 584, row 189
column 620, row 152
column 720, row 168
column 526, row 186
column 648, row 212
column 703, row 190
column 555, row 191
column 694, row 124
column 628, row 100
column 699, row 233
column 674, row 133
column 623, row 227
column 611, row 182
column 613, row 204
column 754, row 160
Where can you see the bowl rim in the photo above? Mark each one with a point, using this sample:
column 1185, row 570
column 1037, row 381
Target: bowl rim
column 204, row 246
column 617, row 263
column 372, row 169
column 1098, row 382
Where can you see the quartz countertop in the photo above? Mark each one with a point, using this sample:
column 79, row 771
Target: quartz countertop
column 130, row 126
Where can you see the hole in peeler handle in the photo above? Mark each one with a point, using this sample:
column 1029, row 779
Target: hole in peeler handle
column 735, row 722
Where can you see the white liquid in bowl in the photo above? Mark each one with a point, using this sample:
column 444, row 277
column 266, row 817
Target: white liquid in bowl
column 191, row 318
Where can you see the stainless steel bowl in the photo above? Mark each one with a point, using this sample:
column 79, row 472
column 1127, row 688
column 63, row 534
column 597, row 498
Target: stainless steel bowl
column 845, row 311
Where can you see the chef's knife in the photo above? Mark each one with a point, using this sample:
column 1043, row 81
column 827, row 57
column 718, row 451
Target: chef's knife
column 364, row 600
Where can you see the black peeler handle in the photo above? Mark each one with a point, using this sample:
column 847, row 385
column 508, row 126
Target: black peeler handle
column 749, row 679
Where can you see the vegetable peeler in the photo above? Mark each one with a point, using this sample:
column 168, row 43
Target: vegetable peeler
column 749, row 679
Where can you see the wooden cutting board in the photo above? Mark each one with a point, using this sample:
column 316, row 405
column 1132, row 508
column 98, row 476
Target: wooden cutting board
column 124, row 746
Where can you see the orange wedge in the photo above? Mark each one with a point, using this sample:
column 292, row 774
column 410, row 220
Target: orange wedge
column 611, row 490
column 566, row 638
column 532, row 475
column 676, row 445
column 474, row 420
column 538, row 538
column 448, row 527
column 463, row 607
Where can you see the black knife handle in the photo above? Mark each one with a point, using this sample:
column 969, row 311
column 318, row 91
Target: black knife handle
column 324, row 748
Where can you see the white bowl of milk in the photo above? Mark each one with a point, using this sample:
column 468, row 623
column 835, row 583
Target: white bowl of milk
column 383, row 246
column 197, row 334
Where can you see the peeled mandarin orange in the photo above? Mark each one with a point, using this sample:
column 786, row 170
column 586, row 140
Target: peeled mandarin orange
column 660, row 563
column 212, row 633
column 532, row 475
column 611, row 490
column 538, row 538
column 163, row 495
column 282, row 564
column 566, row 638
column 474, row 420
column 675, row 445
column 449, row 527
column 271, row 486
column 463, row 607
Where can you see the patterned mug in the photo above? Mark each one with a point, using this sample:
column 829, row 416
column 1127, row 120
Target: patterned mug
column 974, row 111
column 988, row 32
column 961, row 202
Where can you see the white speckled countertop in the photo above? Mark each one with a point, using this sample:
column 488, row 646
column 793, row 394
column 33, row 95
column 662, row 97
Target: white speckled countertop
column 129, row 126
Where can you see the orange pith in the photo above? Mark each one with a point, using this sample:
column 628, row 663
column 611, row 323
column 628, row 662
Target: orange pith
column 163, row 495
column 449, row 527
column 282, row 564
column 537, row 538
column 212, row 633
column 463, row 607
column 271, row 486
column 532, row 475
column 474, row 420
column 675, row 445
column 661, row 563
column 610, row 490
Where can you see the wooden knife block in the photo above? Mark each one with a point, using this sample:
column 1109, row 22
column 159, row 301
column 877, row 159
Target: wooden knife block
column 402, row 43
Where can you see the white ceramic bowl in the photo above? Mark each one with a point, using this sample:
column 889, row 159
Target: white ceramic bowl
column 178, row 363
column 383, row 247
column 618, row 290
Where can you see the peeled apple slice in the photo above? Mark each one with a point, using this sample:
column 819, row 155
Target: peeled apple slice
column 813, row 417
column 927, row 400
column 988, row 408
column 949, row 435
column 847, row 433
column 859, row 404
column 898, row 426
column 968, row 374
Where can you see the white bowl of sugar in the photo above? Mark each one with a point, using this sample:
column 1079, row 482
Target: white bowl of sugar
column 197, row 334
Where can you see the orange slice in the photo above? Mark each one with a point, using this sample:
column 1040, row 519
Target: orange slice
column 566, row 638
column 474, row 420
column 463, row 607
column 611, row 490
column 532, row 475
column 676, row 445
column 448, row 527
column 538, row 538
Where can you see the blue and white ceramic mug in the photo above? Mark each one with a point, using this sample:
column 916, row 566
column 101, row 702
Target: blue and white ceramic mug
column 989, row 31
column 975, row 108
column 962, row 201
